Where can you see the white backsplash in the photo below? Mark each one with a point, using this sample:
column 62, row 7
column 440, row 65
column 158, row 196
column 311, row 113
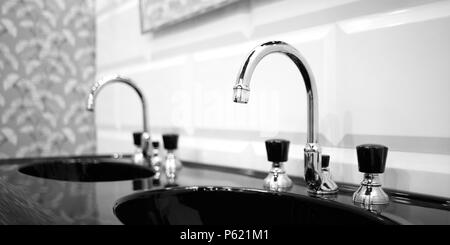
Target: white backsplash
column 382, row 71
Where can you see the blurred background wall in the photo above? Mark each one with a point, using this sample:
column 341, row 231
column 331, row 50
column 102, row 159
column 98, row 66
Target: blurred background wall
column 47, row 64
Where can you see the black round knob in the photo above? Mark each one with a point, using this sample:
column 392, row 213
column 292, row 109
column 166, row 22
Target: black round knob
column 170, row 141
column 137, row 138
column 277, row 150
column 325, row 161
column 372, row 158
column 155, row 144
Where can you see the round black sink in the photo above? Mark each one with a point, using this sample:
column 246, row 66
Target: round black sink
column 87, row 169
column 235, row 206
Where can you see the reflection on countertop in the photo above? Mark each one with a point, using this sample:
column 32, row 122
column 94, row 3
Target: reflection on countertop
column 30, row 200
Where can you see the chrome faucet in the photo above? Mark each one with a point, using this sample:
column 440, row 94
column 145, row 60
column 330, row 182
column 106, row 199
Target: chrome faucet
column 145, row 138
column 315, row 181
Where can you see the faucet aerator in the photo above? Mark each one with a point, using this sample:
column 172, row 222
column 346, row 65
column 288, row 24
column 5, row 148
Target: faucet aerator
column 90, row 103
column 241, row 95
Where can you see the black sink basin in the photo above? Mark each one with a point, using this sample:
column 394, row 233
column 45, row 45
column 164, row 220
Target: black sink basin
column 86, row 169
column 234, row 206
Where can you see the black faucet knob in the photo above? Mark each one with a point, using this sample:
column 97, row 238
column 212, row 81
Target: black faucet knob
column 170, row 141
column 137, row 136
column 325, row 161
column 372, row 158
column 277, row 150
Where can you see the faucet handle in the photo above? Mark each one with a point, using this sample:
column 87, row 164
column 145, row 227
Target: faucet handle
column 371, row 162
column 137, row 138
column 277, row 150
column 277, row 153
column 372, row 158
column 170, row 141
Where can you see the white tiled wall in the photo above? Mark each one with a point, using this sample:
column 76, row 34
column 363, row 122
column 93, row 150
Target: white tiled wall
column 382, row 71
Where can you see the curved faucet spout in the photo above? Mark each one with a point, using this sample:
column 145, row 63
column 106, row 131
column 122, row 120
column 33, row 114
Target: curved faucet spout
column 314, row 177
column 242, row 87
column 97, row 87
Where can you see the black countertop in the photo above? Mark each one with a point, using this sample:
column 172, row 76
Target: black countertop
column 30, row 200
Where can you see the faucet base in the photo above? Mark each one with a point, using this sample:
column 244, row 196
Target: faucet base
column 318, row 179
column 370, row 192
column 278, row 180
column 327, row 187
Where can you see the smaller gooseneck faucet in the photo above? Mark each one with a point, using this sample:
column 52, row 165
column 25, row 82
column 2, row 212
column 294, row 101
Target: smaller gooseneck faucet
column 96, row 88
column 315, row 181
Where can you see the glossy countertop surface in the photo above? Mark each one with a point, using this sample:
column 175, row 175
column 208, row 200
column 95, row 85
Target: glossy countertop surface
column 30, row 200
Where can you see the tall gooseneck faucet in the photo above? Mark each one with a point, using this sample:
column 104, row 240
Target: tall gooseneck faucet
column 312, row 153
column 97, row 87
